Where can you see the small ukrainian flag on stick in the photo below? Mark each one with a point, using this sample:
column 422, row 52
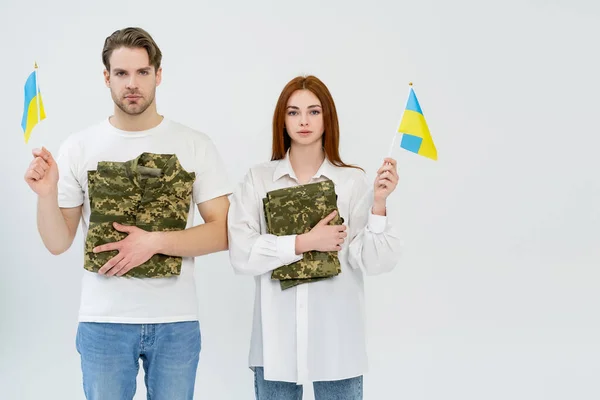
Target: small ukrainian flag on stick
column 33, row 111
column 415, row 133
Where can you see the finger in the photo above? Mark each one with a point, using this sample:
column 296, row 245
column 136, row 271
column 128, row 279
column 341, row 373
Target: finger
column 37, row 152
column 43, row 153
column 121, row 268
column 328, row 218
column 382, row 170
column 391, row 161
column 386, row 177
column 46, row 155
column 118, row 267
column 39, row 162
column 33, row 175
column 123, row 228
column 128, row 267
column 343, row 235
column 391, row 175
column 39, row 170
column 384, row 183
column 107, row 247
column 341, row 228
column 385, row 168
column 384, row 174
column 110, row 264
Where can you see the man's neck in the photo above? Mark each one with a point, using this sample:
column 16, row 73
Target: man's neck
column 306, row 161
column 134, row 123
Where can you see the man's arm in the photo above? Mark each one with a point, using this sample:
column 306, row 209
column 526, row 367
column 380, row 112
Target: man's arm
column 139, row 245
column 207, row 238
column 57, row 226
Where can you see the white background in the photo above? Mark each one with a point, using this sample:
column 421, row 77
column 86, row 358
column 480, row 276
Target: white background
column 497, row 295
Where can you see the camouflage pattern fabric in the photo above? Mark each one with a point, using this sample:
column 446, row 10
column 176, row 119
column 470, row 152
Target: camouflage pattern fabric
column 296, row 210
column 152, row 192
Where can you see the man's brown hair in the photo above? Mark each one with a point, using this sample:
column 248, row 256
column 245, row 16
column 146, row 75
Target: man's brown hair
column 132, row 38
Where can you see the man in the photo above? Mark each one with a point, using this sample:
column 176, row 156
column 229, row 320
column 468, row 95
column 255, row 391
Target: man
column 138, row 298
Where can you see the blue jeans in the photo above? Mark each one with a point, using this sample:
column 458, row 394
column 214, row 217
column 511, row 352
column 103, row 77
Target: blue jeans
column 347, row 389
column 110, row 355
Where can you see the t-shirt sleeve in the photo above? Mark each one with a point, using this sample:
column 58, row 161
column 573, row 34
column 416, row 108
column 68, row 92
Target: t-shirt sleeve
column 70, row 192
column 211, row 176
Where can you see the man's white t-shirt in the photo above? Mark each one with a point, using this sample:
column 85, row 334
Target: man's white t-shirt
column 137, row 300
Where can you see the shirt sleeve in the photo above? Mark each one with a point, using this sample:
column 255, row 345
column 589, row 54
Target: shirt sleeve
column 250, row 252
column 375, row 246
column 70, row 191
column 211, row 176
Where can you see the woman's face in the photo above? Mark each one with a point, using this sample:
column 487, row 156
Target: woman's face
column 304, row 118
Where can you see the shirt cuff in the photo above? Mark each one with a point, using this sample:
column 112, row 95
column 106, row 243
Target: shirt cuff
column 376, row 223
column 286, row 249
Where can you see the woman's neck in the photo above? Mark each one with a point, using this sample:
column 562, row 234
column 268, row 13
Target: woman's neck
column 306, row 161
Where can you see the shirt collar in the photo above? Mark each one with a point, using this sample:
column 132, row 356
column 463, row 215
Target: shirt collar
column 284, row 167
column 168, row 163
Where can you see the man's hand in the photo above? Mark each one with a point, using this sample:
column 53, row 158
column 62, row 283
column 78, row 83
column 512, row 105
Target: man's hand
column 42, row 174
column 57, row 226
column 137, row 248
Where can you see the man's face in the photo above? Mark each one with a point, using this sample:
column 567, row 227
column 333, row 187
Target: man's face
column 132, row 80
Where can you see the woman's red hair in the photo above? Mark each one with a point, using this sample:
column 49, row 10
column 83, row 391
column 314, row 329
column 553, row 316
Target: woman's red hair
column 331, row 135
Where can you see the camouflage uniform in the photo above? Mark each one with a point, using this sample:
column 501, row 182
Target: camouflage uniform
column 152, row 192
column 296, row 210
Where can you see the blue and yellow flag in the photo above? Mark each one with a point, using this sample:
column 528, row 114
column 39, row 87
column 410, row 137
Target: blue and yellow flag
column 33, row 111
column 416, row 136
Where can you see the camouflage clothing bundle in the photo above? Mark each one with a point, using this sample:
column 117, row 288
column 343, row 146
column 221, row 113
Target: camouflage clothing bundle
column 151, row 192
column 294, row 211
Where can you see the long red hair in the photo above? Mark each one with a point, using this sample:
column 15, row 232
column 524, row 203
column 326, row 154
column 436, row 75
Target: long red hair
column 331, row 135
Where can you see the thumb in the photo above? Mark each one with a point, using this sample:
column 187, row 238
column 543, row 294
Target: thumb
column 328, row 218
column 47, row 156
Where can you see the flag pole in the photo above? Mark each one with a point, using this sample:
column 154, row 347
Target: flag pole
column 37, row 92
column 398, row 126
column 392, row 146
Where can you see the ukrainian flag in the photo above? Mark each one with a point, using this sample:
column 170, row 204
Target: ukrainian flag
column 31, row 114
column 416, row 137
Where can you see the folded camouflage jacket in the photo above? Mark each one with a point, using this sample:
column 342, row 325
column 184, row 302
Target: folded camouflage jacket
column 296, row 210
column 152, row 192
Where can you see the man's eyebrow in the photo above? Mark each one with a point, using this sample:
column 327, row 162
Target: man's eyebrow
column 116, row 69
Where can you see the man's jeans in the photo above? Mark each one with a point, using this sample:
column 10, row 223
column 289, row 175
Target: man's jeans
column 347, row 389
column 110, row 355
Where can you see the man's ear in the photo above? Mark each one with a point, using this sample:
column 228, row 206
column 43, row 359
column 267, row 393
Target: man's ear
column 107, row 78
column 158, row 76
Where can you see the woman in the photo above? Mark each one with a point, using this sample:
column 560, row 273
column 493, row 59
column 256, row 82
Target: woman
column 312, row 332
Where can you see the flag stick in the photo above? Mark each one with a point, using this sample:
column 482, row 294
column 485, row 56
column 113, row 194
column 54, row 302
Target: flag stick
column 37, row 92
column 398, row 126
